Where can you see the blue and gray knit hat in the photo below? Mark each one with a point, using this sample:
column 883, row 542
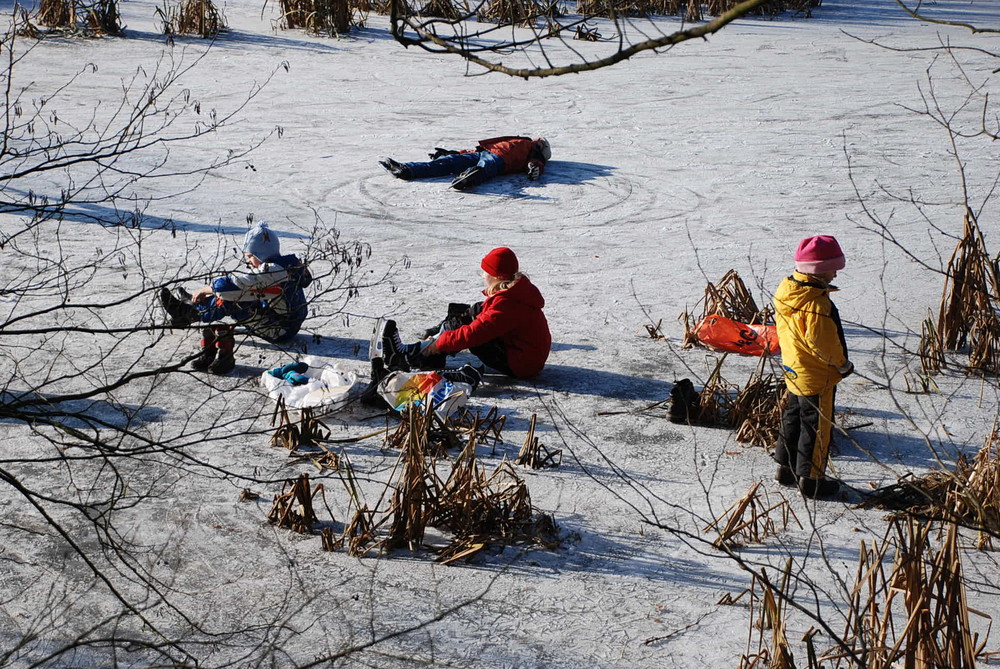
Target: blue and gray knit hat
column 262, row 242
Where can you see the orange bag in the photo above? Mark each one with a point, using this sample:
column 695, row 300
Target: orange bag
column 724, row 334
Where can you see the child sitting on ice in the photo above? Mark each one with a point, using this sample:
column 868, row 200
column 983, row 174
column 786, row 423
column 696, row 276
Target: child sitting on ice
column 507, row 331
column 269, row 301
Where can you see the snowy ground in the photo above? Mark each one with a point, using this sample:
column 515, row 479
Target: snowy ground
column 667, row 171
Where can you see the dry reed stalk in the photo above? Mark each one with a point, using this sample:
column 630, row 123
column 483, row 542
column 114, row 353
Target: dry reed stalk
column 307, row 431
column 533, row 454
column 756, row 409
column 293, row 508
column 488, row 427
column 450, row 10
column 968, row 494
column 332, row 17
column 415, row 493
column 772, row 601
column 437, row 433
column 91, row 18
column 522, row 13
column 716, row 398
column 193, row 17
column 750, row 519
column 729, row 297
column 978, row 500
column 56, row 13
column 917, row 616
column 968, row 313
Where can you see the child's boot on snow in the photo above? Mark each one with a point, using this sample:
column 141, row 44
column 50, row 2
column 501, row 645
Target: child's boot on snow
column 818, row 488
column 180, row 310
column 467, row 179
column 465, row 374
column 397, row 355
column 225, row 343
column 207, row 357
column 370, row 395
column 395, row 168
column 785, row 476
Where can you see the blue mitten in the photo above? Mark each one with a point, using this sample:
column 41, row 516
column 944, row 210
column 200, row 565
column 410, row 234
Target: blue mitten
column 282, row 372
column 296, row 378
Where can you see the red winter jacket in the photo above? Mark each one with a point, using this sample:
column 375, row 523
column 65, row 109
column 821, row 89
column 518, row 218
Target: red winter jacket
column 513, row 316
column 517, row 153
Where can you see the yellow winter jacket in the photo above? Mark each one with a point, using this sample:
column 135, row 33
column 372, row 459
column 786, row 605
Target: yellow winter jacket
column 810, row 335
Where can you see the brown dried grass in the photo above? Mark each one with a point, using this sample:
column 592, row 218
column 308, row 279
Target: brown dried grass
column 332, row 17
column 968, row 313
column 969, row 494
column 193, row 17
column 916, row 615
column 522, row 13
column 751, row 519
column 535, row 455
column 293, row 508
column 728, row 297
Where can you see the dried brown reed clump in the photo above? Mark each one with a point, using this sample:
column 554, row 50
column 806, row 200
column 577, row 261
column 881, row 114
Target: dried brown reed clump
column 293, row 508
column 332, row 17
column 751, row 519
column 450, row 10
column 93, row 19
column 521, row 13
column 757, row 408
column 771, row 600
column 968, row 316
column 307, row 431
column 193, row 17
column 487, row 428
column 535, row 455
column 716, row 398
column 730, row 298
column 969, row 494
column 915, row 615
column 474, row 508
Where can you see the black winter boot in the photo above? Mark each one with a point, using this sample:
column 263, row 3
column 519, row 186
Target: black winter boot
column 207, row 357
column 467, row 179
column 465, row 374
column 395, row 168
column 225, row 343
column 785, row 476
column 180, row 311
column 818, row 488
column 370, row 395
column 398, row 356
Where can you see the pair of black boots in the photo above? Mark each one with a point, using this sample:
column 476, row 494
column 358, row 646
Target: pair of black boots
column 218, row 342
column 398, row 356
column 813, row 488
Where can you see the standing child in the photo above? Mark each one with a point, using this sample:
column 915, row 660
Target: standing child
column 269, row 301
column 814, row 357
column 507, row 331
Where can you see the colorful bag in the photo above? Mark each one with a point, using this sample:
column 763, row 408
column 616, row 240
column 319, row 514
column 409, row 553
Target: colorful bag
column 724, row 334
column 401, row 389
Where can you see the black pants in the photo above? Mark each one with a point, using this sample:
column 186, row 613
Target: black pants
column 806, row 432
column 493, row 353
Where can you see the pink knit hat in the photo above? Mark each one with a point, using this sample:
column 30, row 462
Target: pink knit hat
column 819, row 255
column 501, row 263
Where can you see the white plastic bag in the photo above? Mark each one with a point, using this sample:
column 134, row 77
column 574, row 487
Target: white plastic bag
column 328, row 388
